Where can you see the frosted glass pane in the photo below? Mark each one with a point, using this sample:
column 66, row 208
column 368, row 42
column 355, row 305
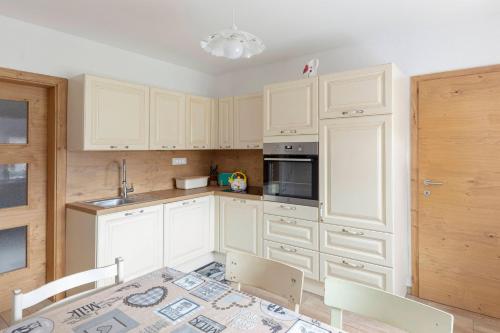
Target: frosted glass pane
column 13, row 185
column 13, row 122
column 12, row 249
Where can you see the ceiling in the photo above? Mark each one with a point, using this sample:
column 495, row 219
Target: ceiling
column 170, row 30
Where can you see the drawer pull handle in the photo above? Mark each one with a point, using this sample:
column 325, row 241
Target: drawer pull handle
column 357, row 233
column 164, row 147
column 288, row 207
column 113, row 147
column 288, row 249
column 360, row 266
column 288, row 221
column 133, row 213
column 185, row 203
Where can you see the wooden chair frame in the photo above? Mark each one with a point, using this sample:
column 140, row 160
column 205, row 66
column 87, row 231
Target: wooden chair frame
column 22, row 301
column 385, row 307
column 269, row 275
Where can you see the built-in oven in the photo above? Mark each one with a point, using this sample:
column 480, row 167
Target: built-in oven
column 291, row 173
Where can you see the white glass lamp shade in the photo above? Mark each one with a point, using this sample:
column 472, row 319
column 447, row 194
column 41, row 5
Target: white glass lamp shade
column 232, row 44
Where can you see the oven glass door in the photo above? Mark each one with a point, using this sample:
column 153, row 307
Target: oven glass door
column 291, row 176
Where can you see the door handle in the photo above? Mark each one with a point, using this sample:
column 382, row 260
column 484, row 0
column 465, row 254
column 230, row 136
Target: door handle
column 428, row 182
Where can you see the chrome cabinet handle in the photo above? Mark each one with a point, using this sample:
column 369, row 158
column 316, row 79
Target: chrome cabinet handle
column 196, row 147
column 288, row 131
column 288, row 249
column 345, row 262
column 357, row 233
column 321, row 206
column 284, row 159
column 113, row 147
column 288, row 221
column 353, row 112
column 173, row 146
column 288, row 207
column 126, row 147
column 164, row 147
column 428, row 182
column 185, row 203
column 134, row 213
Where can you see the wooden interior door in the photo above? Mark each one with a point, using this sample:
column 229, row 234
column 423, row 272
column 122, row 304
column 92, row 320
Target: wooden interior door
column 23, row 188
column 458, row 200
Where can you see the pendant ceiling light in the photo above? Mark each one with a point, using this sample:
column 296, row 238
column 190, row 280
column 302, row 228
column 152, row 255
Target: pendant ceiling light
column 232, row 43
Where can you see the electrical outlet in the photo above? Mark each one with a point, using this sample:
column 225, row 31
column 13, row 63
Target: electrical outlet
column 179, row 161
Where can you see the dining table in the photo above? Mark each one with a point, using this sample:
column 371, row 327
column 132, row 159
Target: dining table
column 168, row 300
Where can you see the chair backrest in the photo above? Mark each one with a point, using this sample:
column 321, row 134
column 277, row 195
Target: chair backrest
column 22, row 301
column 269, row 275
column 400, row 312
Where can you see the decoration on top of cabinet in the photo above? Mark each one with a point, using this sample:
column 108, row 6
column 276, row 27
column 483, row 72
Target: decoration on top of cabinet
column 232, row 43
column 311, row 68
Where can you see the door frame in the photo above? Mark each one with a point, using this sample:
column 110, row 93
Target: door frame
column 415, row 82
column 56, row 162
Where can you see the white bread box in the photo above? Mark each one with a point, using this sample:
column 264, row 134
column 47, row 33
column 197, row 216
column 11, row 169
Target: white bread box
column 187, row 183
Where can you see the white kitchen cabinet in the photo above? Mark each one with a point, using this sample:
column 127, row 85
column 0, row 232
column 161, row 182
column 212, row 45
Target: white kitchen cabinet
column 291, row 108
column 167, row 120
column 226, row 123
column 360, row 244
column 188, row 230
column 106, row 114
column 248, row 122
column 95, row 241
column 356, row 93
column 356, row 271
column 198, row 122
column 292, row 231
column 355, row 172
column 240, row 225
column 305, row 260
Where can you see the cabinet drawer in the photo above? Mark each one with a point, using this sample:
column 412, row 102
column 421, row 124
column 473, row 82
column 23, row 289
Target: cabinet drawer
column 289, row 230
column 357, row 271
column 356, row 93
column 370, row 246
column 296, row 211
column 306, row 260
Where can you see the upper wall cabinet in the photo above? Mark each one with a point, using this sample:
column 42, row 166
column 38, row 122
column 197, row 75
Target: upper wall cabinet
column 226, row 118
column 356, row 93
column 106, row 114
column 198, row 122
column 291, row 108
column 248, row 122
column 167, row 120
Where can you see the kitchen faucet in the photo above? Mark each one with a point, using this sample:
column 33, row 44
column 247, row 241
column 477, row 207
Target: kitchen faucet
column 125, row 189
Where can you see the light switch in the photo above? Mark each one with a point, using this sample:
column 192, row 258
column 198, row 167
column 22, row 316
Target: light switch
column 179, row 161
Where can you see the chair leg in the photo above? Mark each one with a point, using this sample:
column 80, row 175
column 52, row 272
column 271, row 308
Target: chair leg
column 336, row 318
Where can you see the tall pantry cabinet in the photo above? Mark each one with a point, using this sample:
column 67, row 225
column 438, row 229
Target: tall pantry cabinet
column 364, row 177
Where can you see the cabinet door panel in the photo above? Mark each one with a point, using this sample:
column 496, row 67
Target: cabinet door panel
column 118, row 115
column 291, row 108
column 167, row 120
column 306, row 260
column 188, row 230
column 291, row 231
column 356, row 93
column 370, row 246
column 136, row 236
column 248, row 122
column 226, row 123
column 357, row 271
column 355, row 173
column 198, row 122
column 241, row 225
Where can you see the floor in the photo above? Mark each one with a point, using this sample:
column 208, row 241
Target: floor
column 312, row 306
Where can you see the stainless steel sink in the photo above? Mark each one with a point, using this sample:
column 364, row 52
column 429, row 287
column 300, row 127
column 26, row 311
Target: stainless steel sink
column 114, row 202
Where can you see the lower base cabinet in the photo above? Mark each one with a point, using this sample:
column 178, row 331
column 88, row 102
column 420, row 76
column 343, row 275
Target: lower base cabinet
column 188, row 230
column 357, row 271
column 95, row 241
column 306, row 260
column 240, row 225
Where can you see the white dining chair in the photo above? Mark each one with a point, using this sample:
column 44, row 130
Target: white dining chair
column 400, row 312
column 274, row 277
column 22, row 301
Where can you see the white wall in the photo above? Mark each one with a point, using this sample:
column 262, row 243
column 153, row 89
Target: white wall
column 419, row 52
column 37, row 49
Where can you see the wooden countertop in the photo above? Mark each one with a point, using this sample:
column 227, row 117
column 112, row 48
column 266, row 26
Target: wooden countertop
column 166, row 196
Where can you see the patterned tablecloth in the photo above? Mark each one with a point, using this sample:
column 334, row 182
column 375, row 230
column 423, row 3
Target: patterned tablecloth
column 170, row 301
